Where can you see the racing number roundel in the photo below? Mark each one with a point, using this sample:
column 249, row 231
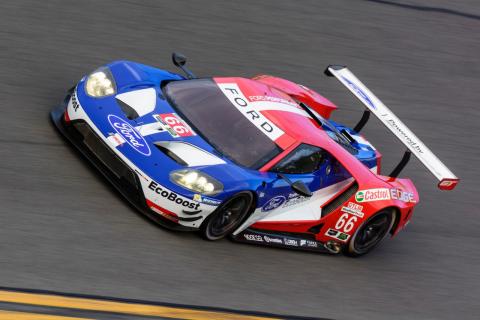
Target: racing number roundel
column 178, row 126
column 345, row 223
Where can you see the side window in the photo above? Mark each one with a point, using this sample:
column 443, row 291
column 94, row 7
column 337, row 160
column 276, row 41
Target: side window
column 304, row 159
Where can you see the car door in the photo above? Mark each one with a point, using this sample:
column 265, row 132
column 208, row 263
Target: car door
column 318, row 170
column 306, row 164
column 313, row 166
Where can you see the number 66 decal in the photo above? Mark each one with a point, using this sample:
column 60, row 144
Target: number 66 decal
column 346, row 224
column 177, row 124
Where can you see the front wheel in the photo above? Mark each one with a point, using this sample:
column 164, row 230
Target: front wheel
column 227, row 217
column 371, row 232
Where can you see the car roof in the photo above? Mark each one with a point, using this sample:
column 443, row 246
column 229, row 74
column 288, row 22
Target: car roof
column 293, row 120
column 279, row 108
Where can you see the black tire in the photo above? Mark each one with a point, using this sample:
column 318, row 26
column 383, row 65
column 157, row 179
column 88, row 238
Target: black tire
column 371, row 233
column 227, row 217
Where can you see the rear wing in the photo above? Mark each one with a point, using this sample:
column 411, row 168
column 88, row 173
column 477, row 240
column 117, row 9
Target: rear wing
column 447, row 179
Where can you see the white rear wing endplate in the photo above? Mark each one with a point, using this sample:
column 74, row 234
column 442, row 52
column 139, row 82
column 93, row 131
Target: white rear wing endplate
column 447, row 179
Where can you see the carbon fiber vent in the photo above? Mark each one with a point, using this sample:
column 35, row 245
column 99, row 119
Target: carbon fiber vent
column 127, row 110
column 171, row 155
column 339, row 200
column 316, row 229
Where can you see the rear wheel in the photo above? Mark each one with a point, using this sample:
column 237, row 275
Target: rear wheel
column 371, row 232
column 227, row 217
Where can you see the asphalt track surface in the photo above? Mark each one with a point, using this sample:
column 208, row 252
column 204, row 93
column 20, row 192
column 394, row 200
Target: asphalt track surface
column 63, row 228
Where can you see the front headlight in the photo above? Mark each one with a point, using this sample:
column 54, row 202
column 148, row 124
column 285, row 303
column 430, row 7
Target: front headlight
column 100, row 83
column 196, row 181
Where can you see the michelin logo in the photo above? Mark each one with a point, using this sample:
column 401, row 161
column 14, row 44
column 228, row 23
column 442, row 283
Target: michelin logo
column 272, row 240
column 210, row 201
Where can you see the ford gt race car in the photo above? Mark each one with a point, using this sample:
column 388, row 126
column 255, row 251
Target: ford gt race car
column 258, row 159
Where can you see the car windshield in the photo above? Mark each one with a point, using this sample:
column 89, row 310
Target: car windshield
column 202, row 103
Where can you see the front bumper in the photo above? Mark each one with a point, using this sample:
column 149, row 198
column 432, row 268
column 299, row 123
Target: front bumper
column 111, row 166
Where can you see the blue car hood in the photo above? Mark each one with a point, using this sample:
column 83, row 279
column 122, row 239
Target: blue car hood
column 109, row 117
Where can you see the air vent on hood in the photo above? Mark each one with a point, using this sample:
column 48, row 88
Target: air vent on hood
column 137, row 103
column 170, row 154
column 187, row 154
column 127, row 110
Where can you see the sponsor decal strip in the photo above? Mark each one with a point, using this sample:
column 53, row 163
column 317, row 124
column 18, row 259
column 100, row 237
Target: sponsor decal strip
column 354, row 209
column 206, row 200
column 278, row 240
column 276, row 100
column 336, row 234
column 380, row 194
column 372, row 195
column 237, row 98
column 172, row 196
column 401, row 195
column 73, row 100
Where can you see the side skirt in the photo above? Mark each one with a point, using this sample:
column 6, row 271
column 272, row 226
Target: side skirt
column 278, row 240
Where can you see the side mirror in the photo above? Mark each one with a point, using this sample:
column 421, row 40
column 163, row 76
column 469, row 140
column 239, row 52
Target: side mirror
column 179, row 59
column 298, row 186
column 301, row 188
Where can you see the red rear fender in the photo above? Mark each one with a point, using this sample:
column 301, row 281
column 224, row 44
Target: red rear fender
column 300, row 93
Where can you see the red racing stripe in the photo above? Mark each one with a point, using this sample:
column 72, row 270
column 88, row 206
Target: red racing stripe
column 164, row 212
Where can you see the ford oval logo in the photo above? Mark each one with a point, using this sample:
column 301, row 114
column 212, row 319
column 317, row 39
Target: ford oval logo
column 131, row 136
column 360, row 92
column 273, row 203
